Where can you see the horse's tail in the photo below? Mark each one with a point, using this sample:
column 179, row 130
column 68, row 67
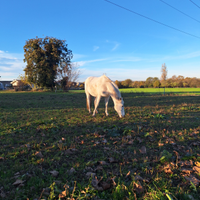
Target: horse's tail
column 88, row 102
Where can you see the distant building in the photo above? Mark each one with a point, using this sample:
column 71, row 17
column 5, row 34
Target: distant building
column 1, row 86
column 17, row 83
column 5, row 84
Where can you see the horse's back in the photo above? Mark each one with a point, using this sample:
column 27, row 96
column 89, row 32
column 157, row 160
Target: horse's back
column 96, row 85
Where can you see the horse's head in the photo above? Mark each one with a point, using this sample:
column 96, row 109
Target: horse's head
column 119, row 107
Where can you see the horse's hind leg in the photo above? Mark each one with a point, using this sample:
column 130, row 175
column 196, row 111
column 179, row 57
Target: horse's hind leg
column 88, row 100
column 97, row 100
column 106, row 105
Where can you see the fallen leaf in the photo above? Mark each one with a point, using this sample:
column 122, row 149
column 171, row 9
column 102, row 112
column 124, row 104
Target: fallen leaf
column 54, row 173
column 128, row 174
column 105, row 185
column 102, row 162
column 186, row 163
column 160, row 144
column 130, row 142
column 28, row 146
column 82, row 142
column 74, row 150
column 139, row 140
column 57, row 182
column 113, row 180
column 18, row 182
column 197, row 164
column 63, row 194
column 191, row 197
column 1, row 158
column 72, row 170
column 193, row 179
column 186, row 171
column 17, row 174
column 168, row 171
column 90, row 174
column 2, row 194
column 134, row 160
column 138, row 187
column 97, row 142
column 138, row 178
column 102, row 136
column 68, row 152
column 196, row 169
column 98, row 168
column 194, row 144
column 95, row 183
column 89, row 169
column 39, row 154
column 104, row 141
column 142, row 150
column 112, row 160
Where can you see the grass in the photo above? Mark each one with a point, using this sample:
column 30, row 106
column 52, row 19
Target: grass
column 155, row 90
column 51, row 147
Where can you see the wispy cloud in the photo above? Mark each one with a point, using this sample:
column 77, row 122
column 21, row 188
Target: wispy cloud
column 78, row 56
column 82, row 63
column 127, row 59
column 95, row 48
column 157, row 58
column 11, row 65
column 119, row 73
column 115, row 47
column 116, row 44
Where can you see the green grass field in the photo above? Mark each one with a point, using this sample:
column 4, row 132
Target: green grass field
column 156, row 90
column 51, row 147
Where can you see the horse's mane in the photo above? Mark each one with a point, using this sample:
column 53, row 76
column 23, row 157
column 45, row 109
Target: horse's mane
column 114, row 86
column 107, row 79
column 116, row 89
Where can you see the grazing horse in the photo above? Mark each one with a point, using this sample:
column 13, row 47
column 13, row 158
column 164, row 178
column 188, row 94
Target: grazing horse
column 103, row 87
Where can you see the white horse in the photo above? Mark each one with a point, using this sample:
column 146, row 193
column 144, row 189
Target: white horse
column 103, row 87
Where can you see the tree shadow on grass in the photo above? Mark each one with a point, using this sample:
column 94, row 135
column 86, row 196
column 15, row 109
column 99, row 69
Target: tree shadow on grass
column 50, row 101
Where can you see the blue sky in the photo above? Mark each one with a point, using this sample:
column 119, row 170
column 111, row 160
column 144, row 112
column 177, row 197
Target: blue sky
column 105, row 38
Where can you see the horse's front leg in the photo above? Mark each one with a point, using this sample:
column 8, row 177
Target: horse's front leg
column 97, row 100
column 106, row 105
column 95, row 104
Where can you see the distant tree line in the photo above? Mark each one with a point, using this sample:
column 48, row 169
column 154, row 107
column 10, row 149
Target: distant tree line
column 155, row 82
column 173, row 82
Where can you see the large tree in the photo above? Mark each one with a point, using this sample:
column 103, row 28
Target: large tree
column 44, row 56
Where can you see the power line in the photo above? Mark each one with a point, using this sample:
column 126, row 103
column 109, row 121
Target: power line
column 179, row 11
column 152, row 19
column 195, row 4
